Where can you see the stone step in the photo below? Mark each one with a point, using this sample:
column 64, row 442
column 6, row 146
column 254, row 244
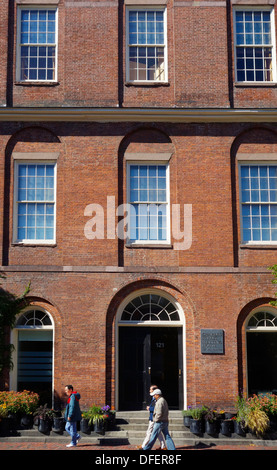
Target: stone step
column 131, row 427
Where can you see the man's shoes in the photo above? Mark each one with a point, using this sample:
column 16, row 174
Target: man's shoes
column 71, row 445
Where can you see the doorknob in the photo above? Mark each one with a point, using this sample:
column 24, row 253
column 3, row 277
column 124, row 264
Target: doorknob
column 149, row 370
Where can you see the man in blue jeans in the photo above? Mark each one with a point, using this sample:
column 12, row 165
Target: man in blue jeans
column 72, row 415
column 160, row 418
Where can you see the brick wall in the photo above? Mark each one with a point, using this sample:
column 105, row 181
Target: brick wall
column 92, row 63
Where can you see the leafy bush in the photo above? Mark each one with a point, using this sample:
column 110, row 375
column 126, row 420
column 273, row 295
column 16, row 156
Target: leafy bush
column 257, row 421
column 19, row 402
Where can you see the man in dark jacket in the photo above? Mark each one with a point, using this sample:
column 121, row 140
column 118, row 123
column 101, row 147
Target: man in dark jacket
column 72, row 415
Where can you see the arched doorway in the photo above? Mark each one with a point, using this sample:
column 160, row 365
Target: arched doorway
column 33, row 358
column 150, row 337
column 261, row 342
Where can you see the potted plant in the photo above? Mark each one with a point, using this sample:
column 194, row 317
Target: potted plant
column 85, row 425
column 99, row 421
column 58, row 422
column 110, row 416
column 30, row 402
column 187, row 417
column 257, row 421
column 210, row 417
column 196, row 424
column 45, row 419
column 4, row 421
column 240, row 419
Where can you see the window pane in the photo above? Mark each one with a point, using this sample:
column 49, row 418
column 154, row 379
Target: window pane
column 146, row 28
column 148, row 222
column 259, row 220
column 37, row 27
column 253, row 28
column 35, row 216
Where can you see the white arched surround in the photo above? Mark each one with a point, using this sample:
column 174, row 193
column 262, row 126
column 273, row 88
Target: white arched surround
column 30, row 328
column 179, row 323
column 263, row 320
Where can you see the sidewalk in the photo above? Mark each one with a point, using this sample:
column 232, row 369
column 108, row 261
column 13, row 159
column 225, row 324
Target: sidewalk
column 44, row 446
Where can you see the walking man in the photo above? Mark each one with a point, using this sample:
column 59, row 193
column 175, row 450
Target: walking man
column 160, row 418
column 72, row 415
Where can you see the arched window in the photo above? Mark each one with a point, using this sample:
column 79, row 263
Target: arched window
column 34, row 318
column 262, row 319
column 150, row 307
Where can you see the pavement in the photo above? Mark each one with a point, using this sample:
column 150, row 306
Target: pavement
column 45, row 446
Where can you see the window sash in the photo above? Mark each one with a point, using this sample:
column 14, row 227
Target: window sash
column 146, row 44
column 148, row 196
column 37, row 44
column 35, row 202
column 254, row 45
column 258, row 196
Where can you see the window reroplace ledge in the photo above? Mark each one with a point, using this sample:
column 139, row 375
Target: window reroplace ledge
column 154, row 245
column 255, row 84
column 41, row 84
column 34, row 245
column 147, row 84
column 258, row 247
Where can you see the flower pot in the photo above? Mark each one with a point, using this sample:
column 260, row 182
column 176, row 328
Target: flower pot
column 187, row 421
column 229, row 415
column 238, row 429
column 85, row 426
column 44, row 426
column 196, row 426
column 273, row 422
column 111, row 421
column 211, row 428
column 226, row 427
column 5, row 426
column 58, row 425
column 26, row 421
column 99, row 427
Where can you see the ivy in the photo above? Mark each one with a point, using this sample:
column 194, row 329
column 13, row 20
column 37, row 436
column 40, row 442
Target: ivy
column 10, row 306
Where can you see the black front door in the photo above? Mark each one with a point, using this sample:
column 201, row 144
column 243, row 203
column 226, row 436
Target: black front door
column 149, row 355
column 261, row 362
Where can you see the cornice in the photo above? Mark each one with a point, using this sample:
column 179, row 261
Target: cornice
column 180, row 115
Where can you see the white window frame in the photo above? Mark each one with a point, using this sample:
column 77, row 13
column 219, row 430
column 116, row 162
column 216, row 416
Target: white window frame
column 16, row 202
column 18, row 44
column 272, row 45
column 146, row 8
column 254, row 242
column 139, row 242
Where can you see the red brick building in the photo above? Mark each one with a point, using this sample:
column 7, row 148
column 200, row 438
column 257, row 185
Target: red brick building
column 138, row 181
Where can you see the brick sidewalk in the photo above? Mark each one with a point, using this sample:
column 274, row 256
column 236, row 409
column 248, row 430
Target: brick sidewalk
column 61, row 446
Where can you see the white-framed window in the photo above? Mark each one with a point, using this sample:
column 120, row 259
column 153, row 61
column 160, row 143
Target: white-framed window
column 148, row 196
column 37, row 44
column 35, row 202
column 254, row 44
column 258, row 198
column 146, row 45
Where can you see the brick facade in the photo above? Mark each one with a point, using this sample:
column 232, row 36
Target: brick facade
column 81, row 282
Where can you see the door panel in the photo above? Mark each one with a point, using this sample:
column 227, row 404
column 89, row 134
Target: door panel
column 149, row 356
column 261, row 362
column 133, row 367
